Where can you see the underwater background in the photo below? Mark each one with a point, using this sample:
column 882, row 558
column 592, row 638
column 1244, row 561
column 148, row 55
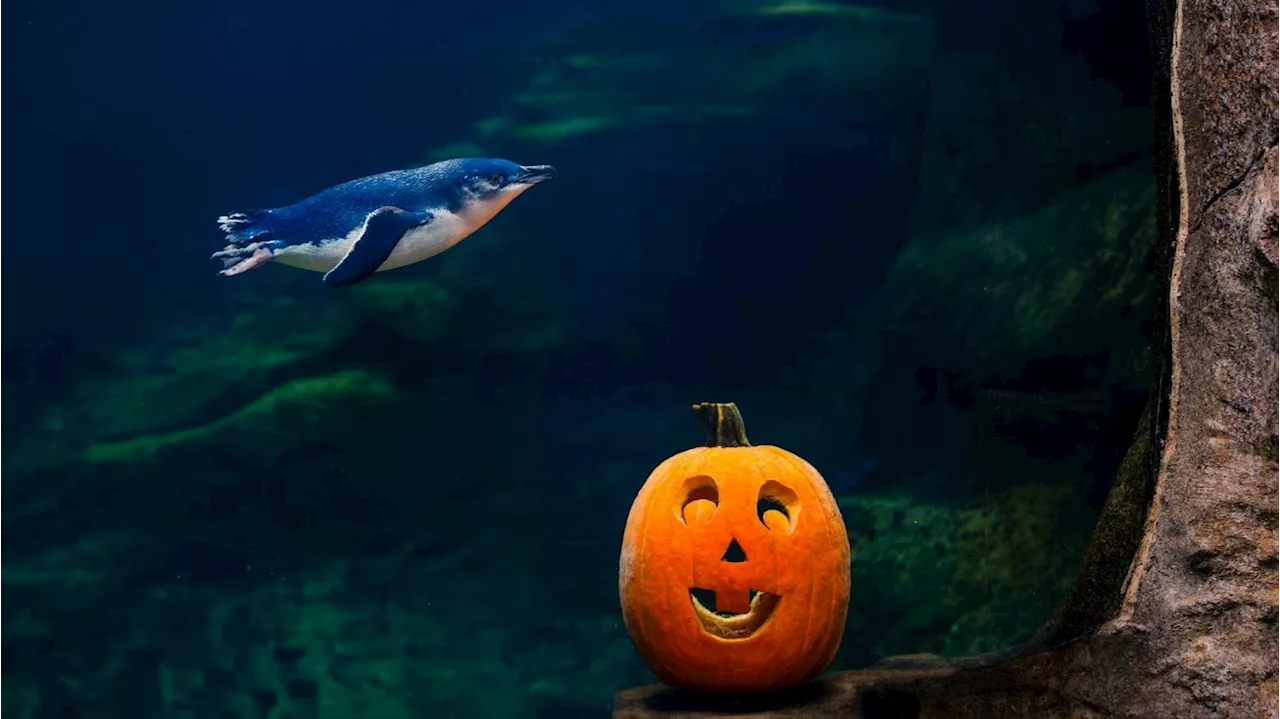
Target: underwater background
column 911, row 240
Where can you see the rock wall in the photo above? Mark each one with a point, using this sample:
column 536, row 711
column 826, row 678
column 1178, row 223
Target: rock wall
column 1207, row 566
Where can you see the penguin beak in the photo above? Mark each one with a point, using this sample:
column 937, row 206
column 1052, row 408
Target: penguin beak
column 533, row 174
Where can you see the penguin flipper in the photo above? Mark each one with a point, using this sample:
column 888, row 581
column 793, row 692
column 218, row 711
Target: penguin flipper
column 383, row 229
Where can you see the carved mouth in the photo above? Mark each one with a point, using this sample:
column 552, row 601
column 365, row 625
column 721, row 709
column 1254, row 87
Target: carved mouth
column 732, row 625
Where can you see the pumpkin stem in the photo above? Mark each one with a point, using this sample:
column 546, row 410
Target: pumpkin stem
column 723, row 423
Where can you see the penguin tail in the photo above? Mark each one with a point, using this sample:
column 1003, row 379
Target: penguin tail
column 243, row 228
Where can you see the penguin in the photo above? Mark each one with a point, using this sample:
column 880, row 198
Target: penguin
column 376, row 223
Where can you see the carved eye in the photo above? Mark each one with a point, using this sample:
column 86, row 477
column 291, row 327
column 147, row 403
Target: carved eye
column 777, row 507
column 701, row 498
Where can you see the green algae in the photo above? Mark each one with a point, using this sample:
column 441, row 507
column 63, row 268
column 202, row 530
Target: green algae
column 180, row 385
column 561, row 129
column 299, row 401
column 592, row 80
column 958, row 580
column 1068, row 278
column 615, row 62
column 188, row 378
column 802, row 8
column 418, row 311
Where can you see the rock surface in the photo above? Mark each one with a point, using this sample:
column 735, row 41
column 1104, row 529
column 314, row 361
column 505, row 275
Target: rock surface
column 1195, row 634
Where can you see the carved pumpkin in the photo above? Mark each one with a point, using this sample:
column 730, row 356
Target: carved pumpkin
column 734, row 575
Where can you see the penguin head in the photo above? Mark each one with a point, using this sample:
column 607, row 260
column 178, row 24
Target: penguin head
column 490, row 178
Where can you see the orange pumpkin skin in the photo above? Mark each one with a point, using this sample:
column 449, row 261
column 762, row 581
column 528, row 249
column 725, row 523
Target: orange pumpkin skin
column 783, row 517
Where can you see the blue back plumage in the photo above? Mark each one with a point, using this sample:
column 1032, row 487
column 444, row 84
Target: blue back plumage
column 334, row 212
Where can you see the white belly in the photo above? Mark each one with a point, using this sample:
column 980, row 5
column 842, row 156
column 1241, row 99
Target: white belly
column 444, row 231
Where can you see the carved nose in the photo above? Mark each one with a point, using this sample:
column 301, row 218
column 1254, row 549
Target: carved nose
column 734, row 553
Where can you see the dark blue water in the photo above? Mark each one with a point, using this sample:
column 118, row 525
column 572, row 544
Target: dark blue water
column 910, row 240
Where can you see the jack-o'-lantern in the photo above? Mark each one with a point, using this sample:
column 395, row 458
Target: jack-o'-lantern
column 734, row 575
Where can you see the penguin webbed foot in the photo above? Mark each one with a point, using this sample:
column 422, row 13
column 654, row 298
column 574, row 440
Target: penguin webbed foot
column 237, row 259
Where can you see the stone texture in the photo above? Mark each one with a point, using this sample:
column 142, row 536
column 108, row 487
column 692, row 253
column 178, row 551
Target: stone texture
column 1195, row 632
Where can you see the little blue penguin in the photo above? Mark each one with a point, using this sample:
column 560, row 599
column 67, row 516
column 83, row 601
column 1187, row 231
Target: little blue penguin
column 380, row 222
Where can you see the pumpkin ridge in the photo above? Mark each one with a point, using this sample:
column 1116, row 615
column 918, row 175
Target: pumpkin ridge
column 685, row 467
column 764, row 475
column 638, row 572
column 639, row 539
column 808, row 636
column 832, row 519
column 828, row 626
